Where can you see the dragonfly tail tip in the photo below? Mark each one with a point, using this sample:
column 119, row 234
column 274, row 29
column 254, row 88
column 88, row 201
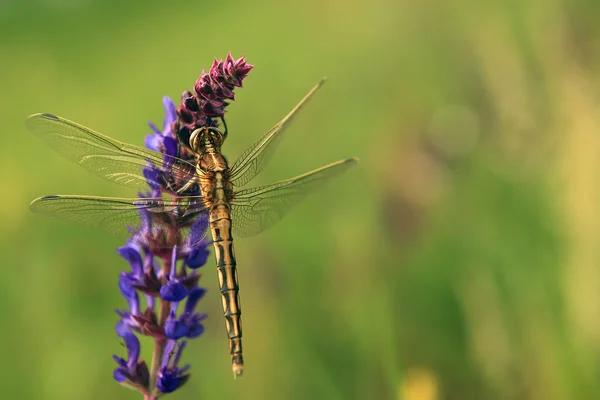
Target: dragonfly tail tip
column 238, row 371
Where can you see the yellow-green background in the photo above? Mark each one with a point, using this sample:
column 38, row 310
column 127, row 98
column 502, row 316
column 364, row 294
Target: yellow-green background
column 459, row 260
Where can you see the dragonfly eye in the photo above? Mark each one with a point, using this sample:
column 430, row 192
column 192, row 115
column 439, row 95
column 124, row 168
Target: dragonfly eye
column 195, row 140
column 183, row 134
column 216, row 136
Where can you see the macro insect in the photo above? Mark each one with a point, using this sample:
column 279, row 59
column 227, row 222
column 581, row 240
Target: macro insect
column 205, row 187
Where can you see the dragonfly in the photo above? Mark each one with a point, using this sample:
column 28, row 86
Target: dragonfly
column 243, row 212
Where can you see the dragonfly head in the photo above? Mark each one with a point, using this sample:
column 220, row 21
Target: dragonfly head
column 206, row 139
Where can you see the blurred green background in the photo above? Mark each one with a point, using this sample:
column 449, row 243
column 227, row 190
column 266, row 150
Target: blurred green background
column 459, row 260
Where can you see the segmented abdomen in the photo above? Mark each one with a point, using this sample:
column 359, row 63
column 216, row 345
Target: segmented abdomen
column 220, row 224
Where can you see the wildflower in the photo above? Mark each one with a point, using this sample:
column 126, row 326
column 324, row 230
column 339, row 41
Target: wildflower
column 154, row 274
column 165, row 251
column 212, row 90
column 133, row 371
column 170, row 376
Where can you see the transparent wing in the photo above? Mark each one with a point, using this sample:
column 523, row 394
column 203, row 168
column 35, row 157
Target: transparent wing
column 259, row 208
column 252, row 161
column 115, row 215
column 106, row 157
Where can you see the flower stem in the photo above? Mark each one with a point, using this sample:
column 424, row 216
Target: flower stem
column 165, row 306
column 159, row 348
column 159, row 344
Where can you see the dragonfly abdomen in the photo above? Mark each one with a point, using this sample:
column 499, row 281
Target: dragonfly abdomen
column 220, row 223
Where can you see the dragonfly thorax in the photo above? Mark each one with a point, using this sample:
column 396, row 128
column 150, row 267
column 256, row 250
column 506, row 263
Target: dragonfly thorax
column 206, row 140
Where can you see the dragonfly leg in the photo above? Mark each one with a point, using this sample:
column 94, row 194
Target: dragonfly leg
column 224, row 126
column 187, row 185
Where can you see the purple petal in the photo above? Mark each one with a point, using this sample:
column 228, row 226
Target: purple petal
column 198, row 230
column 175, row 328
column 168, row 353
column 179, row 352
column 125, row 285
column 132, row 256
column 153, row 177
column 122, row 328
column 129, row 370
column 157, row 132
column 119, row 361
column 171, row 149
column 170, row 112
column 173, row 291
column 195, row 330
column 145, row 223
column 194, row 296
column 170, row 378
column 132, row 344
column 150, row 301
column 169, row 381
column 173, row 272
column 134, row 304
column 197, row 257
column 119, row 374
column 153, row 141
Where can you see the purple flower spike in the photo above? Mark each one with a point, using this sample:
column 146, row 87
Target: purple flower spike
column 211, row 94
column 171, row 377
column 230, row 71
column 155, row 282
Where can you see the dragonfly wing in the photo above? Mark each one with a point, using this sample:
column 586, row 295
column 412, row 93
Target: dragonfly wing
column 115, row 215
column 252, row 161
column 106, row 157
column 259, row 208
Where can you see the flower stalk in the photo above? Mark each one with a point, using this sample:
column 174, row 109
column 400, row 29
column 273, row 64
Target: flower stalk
column 165, row 253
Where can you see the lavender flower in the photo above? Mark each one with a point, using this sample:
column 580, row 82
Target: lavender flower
column 165, row 281
column 170, row 376
column 133, row 371
column 165, row 253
